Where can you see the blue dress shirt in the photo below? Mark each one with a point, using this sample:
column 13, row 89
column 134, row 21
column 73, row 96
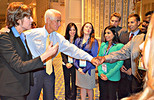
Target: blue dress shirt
column 22, row 37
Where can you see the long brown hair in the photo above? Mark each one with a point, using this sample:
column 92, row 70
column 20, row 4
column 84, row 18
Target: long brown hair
column 92, row 35
column 68, row 28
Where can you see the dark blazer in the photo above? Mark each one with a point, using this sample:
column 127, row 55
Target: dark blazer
column 15, row 65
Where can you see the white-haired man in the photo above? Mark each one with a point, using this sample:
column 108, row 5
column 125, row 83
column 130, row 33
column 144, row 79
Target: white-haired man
column 36, row 40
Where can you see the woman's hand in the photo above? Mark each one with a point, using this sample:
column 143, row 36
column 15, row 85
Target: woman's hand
column 103, row 77
column 69, row 65
column 125, row 70
column 81, row 71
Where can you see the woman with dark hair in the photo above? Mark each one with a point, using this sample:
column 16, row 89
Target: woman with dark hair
column 68, row 67
column 16, row 61
column 85, row 73
column 109, row 73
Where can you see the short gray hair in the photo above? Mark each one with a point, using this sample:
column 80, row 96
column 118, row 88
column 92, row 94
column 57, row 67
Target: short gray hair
column 50, row 13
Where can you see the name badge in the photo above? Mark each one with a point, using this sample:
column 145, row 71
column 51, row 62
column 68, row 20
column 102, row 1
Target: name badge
column 82, row 63
column 70, row 59
column 141, row 66
column 104, row 68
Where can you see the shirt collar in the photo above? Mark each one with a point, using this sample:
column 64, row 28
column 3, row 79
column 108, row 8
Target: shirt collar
column 136, row 32
column 46, row 32
column 15, row 32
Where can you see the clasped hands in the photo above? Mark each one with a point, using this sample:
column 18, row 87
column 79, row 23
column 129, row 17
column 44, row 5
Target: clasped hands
column 98, row 60
column 95, row 61
column 103, row 77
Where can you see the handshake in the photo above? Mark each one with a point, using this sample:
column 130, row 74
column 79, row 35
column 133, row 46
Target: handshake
column 98, row 60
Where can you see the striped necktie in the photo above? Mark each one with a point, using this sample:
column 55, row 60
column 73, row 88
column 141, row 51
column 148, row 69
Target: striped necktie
column 132, row 34
column 49, row 69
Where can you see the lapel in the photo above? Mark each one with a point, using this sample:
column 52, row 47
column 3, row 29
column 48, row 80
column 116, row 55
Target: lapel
column 20, row 48
column 139, row 32
column 30, row 55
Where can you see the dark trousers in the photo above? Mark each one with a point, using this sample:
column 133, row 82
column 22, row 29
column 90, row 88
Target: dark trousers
column 107, row 89
column 70, row 87
column 45, row 81
column 137, row 85
column 124, row 87
column 13, row 98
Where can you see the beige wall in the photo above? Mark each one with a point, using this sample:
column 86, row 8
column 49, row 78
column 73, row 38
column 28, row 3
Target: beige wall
column 73, row 13
column 60, row 7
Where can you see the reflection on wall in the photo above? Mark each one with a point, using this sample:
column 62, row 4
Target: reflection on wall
column 143, row 6
column 98, row 12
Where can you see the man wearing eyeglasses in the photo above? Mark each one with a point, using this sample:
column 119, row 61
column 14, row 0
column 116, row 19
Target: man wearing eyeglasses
column 36, row 40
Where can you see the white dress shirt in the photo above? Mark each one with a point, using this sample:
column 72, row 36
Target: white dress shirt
column 36, row 40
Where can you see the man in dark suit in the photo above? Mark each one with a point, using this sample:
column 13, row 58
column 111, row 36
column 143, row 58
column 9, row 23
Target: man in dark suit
column 15, row 57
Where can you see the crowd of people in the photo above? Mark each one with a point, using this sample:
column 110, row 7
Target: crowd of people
column 122, row 66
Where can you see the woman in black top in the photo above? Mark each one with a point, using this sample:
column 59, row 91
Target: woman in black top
column 68, row 67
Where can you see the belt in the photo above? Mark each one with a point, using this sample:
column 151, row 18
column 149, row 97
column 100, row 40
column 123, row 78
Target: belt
column 44, row 66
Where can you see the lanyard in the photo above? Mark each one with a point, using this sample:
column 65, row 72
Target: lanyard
column 106, row 53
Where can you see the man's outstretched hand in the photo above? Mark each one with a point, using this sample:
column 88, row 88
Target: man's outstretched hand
column 4, row 29
column 95, row 62
column 100, row 59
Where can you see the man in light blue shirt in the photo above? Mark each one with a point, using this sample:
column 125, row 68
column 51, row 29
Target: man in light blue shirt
column 36, row 39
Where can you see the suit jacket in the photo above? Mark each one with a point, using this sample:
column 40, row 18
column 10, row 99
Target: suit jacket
column 15, row 65
column 124, row 38
column 130, row 50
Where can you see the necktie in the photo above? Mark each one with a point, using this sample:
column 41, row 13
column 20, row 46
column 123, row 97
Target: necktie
column 131, row 36
column 49, row 60
column 22, row 37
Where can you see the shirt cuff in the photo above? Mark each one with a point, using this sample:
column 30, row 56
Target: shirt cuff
column 107, row 58
column 90, row 58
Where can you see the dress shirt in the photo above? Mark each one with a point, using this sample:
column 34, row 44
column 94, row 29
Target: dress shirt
column 36, row 40
column 135, row 33
column 22, row 37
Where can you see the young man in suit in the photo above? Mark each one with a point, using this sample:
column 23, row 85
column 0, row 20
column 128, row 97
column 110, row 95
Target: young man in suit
column 115, row 20
column 125, row 83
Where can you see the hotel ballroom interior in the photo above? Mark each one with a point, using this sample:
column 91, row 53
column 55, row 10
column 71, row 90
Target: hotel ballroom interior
column 80, row 11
